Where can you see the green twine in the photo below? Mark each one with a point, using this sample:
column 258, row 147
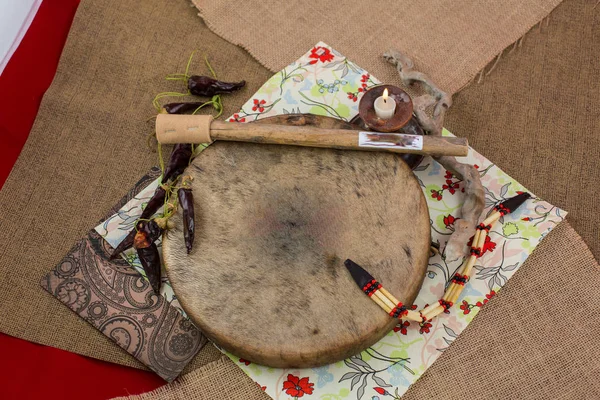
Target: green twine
column 169, row 191
column 198, row 149
column 138, row 221
column 159, row 96
column 212, row 71
column 182, row 77
column 161, row 162
column 187, row 67
column 216, row 99
column 216, row 102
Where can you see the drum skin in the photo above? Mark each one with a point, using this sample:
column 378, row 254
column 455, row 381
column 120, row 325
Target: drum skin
column 274, row 224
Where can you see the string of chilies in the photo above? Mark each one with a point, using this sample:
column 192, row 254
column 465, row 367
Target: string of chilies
column 396, row 309
column 175, row 190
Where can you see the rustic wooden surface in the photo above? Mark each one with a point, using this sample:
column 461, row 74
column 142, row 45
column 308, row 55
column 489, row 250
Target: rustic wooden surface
column 328, row 138
column 199, row 129
column 275, row 223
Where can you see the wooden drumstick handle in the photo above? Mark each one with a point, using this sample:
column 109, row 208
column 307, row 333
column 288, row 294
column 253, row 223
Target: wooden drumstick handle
column 201, row 129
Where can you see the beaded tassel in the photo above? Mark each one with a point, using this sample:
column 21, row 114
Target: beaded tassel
column 396, row 309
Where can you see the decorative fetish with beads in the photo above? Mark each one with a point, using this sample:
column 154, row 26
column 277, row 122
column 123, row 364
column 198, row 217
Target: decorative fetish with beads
column 398, row 311
column 371, row 287
column 386, row 300
column 459, row 279
column 482, row 227
column 445, row 304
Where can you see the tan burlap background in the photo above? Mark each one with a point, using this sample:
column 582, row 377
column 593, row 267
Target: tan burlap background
column 217, row 380
column 449, row 40
column 537, row 339
column 535, row 116
column 88, row 147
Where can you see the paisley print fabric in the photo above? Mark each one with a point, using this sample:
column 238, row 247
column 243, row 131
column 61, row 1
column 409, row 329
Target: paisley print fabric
column 114, row 298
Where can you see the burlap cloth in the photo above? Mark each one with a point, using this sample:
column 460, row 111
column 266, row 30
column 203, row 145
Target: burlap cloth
column 532, row 341
column 537, row 115
column 88, row 147
column 534, row 116
column 449, row 40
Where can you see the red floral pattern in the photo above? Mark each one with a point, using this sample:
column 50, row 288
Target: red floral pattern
column 488, row 245
column 320, row 53
column 449, row 221
column 436, row 194
column 296, row 387
column 425, row 327
column 258, row 105
column 466, row 307
column 364, row 80
column 364, row 86
column 489, row 296
column 450, row 186
column 381, row 391
column 236, row 118
column 401, row 327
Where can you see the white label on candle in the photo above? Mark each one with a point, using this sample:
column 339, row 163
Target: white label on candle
column 390, row 140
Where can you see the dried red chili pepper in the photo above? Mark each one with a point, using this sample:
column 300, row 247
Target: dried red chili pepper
column 148, row 232
column 207, row 86
column 186, row 200
column 150, row 260
column 180, row 108
column 178, row 162
column 157, row 200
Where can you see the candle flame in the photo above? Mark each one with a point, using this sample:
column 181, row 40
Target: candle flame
column 385, row 95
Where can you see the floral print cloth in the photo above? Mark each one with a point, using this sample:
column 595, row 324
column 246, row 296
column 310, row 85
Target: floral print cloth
column 324, row 82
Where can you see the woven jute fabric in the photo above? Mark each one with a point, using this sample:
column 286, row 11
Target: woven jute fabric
column 531, row 341
column 220, row 379
column 88, row 147
column 537, row 114
column 450, row 41
column 534, row 340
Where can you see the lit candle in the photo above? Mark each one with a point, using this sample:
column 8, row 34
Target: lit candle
column 385, row 106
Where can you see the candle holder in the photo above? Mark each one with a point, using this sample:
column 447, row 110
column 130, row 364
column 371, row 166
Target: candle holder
column 402, row 114
column 403, row 120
